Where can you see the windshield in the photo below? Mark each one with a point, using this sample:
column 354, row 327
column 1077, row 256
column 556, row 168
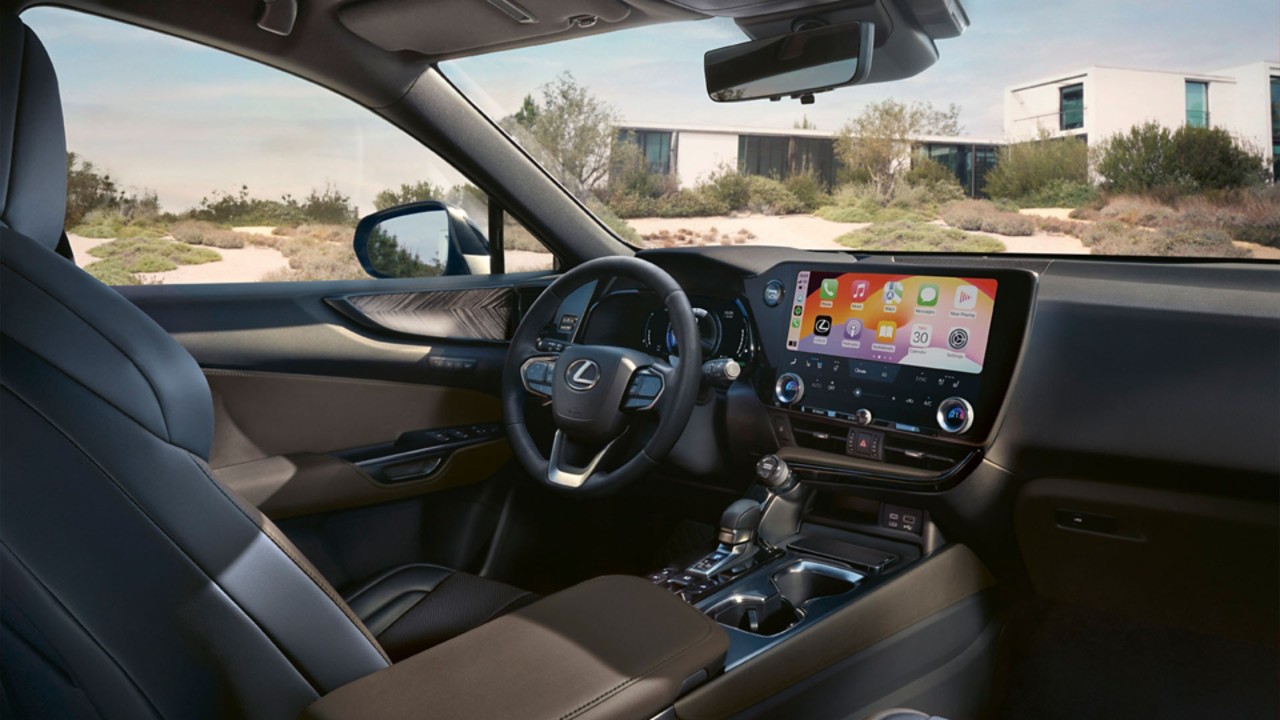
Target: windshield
column 1083, row 127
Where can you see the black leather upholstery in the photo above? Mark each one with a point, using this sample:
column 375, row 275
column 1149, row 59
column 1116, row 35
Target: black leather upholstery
column 134, row 584
column 903, row 714
column 33, row 173
column 414, row 607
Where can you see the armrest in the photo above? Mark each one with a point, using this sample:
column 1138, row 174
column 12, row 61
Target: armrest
column 612, row 647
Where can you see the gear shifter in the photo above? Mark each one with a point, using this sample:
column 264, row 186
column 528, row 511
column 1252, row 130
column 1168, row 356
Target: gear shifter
column 737, row 538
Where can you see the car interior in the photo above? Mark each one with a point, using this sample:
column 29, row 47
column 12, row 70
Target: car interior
column 631, row 486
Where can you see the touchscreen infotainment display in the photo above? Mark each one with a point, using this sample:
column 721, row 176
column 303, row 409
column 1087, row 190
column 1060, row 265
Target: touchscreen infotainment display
column 920, row 320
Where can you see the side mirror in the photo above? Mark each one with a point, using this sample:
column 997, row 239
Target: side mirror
column 421, row 239
column 797, row 64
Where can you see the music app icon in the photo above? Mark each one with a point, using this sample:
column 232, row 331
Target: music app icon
column 966, row 297
column 861, row 289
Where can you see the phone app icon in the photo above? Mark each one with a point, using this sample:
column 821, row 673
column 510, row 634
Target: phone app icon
column 822, row 325
column 886, row 330
column 861, row 289
column 853, row 328
column 795, row 322
column 966, row 297
column 893, row 292
column 921, row 334
column 958, row 338
column 828, row 289
column 928, row 295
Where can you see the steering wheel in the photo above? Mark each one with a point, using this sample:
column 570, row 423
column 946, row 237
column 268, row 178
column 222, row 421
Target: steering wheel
column 598, row 392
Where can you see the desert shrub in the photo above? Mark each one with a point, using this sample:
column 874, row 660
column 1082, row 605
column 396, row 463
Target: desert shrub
column 1110, row 237
column 319, row 256
column 864, row 203
column 407, row 193
column 143, row 255
column 113, row 223
column 1058, row 226
column 771, row 197
column 1136, row 210
column 730, row 187
column 925, row 170
column 1028, row 169
column 682, row 203
column 808, row 189
column 1151, row 159
column 918, row 237
column 199, row 232
column 112, row 272
column 1061, row 194
column 612, row 221
column 983, row 215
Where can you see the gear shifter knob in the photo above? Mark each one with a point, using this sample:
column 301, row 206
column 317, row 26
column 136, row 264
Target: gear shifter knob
column 739, row 522
column 773, row 473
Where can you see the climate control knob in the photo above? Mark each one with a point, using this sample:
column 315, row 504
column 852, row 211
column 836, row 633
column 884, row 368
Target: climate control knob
column 789, row 388
column 955, row 415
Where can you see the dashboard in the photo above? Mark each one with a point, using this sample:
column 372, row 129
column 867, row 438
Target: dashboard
column 636, row 319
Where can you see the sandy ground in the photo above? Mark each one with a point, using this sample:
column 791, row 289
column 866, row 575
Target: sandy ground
column 1058, row 213
column 1262, row 252
column 814, row 233
column 247, row 264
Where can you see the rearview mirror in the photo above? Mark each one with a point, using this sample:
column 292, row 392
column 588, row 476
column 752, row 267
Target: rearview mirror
column 796, row 65
column 421, row 239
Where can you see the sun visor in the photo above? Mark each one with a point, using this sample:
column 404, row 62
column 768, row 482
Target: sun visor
column 459, row 27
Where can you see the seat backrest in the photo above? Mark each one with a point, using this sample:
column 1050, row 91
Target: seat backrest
column 132, row 584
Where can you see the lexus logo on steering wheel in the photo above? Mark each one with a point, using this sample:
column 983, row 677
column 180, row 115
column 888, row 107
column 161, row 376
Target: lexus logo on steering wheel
column 583, row 374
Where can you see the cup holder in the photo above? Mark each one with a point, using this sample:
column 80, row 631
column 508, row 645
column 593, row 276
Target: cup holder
column 760, row 616
column 779, row 602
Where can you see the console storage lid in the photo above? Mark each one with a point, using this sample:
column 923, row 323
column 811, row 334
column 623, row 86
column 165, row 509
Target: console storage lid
column 611, row 647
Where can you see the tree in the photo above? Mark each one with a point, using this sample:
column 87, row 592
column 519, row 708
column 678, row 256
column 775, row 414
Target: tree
column 804, row 123
column 1151, row 158
column 406, row 194
column 878, row 140
column 1028, row 168
column 527, row 115
column 576, row 129
column 87, row 189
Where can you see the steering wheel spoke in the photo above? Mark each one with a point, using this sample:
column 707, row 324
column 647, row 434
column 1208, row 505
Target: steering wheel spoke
column 537, row 374
column 647, row 386
column 566, row 467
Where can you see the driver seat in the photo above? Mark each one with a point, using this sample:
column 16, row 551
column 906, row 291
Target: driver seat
column 134, row 584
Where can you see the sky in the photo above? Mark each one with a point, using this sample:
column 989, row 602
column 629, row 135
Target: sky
column 183, row 120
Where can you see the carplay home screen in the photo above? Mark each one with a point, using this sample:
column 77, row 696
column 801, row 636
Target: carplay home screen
column 921, row 320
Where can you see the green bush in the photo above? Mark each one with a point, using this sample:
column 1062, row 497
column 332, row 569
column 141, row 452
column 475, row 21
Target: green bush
column 925, row 170
column 113, row 223
column 112, row 272
column 730, row 187
column 918, row 237
column 771, row 197
column 200, row 232
column 1150, row 159
column 1111, row 237
column 1061, row 193
column 683, row 203
column 862, row 202
column 983, row 215
column 145, row 255
column 1029, row 169
column 808, row 189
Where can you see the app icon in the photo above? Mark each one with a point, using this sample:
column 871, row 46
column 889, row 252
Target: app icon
column 795, row 322
column 928, row 295
column 861, row 288
column 966, row 297
column 958, row 338
column 822, row 325
column 886, row 330
column 827, row 291
column 893, row 292
column 853, row 328
column 797, row 310
column 921, row 334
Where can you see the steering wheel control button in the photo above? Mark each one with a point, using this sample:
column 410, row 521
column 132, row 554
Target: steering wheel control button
column 774, row 291
column 645, row 388
column 538, row 375
column 862, row 416
column 789, row 388
column 549, row 345
column 955, row 415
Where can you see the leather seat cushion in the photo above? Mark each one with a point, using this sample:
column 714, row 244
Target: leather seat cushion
column 414, row 607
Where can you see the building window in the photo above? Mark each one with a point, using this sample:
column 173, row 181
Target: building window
column 816, row 156
column 656, row 148
column 765, row 155
column 1071, row 107
column 1275, row 128
column 1197, row 104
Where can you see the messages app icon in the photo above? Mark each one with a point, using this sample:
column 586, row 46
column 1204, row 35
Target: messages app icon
column 928, row 296
column 828, row 289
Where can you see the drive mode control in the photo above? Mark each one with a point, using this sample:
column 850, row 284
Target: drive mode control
column 955, row 415
column 789, row 388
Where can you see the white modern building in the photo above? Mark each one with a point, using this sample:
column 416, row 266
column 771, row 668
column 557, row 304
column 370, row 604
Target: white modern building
column 1097, row 102
column 692, row 153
